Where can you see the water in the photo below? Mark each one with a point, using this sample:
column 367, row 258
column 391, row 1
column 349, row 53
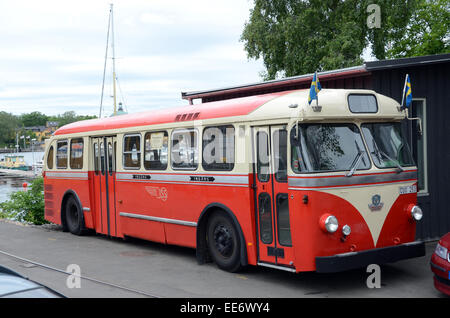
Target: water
column 10, row 183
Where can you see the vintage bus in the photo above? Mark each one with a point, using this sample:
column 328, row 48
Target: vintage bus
column 262, row 180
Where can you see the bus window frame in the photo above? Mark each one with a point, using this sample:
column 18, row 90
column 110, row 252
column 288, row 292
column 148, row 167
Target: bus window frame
column 166, row 133
column 232, row 164
column 82, row 154
column 67, row 154
column 130, row 152
column 176, row 130
column 52, row 149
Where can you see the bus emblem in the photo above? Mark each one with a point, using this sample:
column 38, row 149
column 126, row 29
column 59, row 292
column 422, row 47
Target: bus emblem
column 376, row 205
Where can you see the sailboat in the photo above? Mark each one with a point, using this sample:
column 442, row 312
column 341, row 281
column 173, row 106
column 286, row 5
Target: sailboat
column 118, row 107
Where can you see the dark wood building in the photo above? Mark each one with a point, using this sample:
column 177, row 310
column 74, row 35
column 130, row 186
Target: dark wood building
column 430, row 80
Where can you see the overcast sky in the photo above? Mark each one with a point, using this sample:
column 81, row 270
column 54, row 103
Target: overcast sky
column 52, row 52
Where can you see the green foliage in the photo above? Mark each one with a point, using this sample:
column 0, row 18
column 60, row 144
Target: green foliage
column 8, row 123
column 26, row 206
column 301, row 36
column 34, row 119
column 428, row 31
column 69, row 117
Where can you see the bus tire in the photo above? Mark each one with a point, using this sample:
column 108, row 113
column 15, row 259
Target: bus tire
column 74, row 216
column 223, row 242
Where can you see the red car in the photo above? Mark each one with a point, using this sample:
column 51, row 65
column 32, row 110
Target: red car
column 440, row 265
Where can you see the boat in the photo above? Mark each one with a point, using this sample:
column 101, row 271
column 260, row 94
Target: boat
column 14, row 162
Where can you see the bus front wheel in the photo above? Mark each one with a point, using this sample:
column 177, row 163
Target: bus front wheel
column 223, row 242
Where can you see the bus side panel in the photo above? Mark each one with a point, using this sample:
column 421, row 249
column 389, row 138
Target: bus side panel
column 181, row 235
column 143, row 229
column 181, row 202
column 186, row 202
column 56, row 187
column 52, row 202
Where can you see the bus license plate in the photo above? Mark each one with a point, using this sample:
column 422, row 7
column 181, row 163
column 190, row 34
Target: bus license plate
column 408, row 189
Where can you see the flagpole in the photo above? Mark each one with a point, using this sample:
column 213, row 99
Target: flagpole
column 404, row 87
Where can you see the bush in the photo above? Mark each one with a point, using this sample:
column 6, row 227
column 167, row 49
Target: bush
column 26, row 206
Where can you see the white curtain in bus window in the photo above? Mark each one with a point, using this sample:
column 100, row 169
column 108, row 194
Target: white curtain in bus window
column 61, row 154
column 76, row 153
column 218, row 148
column 132, row 152
column 184, row 151
column 156, row 150
column 362, row 103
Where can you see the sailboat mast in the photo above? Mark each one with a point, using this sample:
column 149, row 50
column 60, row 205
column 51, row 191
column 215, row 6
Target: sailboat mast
column 113, row 60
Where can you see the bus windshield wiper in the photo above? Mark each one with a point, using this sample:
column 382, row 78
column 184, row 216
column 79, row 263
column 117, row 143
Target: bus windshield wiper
column 356, row 161
column 380, row 152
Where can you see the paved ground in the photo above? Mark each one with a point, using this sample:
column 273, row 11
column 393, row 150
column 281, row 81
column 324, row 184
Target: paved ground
column 170, row 271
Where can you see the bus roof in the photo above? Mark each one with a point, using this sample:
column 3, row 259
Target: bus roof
column 284, row 104
column 227, row 108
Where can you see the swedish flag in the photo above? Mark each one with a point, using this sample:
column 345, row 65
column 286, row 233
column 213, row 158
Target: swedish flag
column 315, row 88
column 407, row 92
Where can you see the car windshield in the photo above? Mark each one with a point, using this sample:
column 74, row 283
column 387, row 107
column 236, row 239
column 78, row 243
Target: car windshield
column 327, row 147
column 387, row 145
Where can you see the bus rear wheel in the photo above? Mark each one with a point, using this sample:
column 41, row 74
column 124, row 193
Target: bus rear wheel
column 74, row 217
column 223, row 242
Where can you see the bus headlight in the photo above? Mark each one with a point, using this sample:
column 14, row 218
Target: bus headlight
column 415, row 212
column 328, row 223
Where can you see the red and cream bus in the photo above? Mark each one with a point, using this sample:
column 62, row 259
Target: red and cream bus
column 263, row 180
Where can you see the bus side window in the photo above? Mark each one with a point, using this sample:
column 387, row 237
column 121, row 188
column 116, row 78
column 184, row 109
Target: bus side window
column 132, row 152
column 50, row 158
column 102, row 158
column 218, row 148
column 76, row 153
column 61, row 154
column 184, row 149
column 110, row 159
column 96, row 155
column 156, row 146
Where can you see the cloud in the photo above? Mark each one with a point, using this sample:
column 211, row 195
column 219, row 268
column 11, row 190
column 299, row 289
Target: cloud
column 52, row 52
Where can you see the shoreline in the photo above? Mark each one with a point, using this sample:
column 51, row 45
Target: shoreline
column 19, row 173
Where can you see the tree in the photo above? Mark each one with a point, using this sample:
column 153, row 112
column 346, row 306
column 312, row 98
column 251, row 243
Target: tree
column 34, row 119
column 69, row 117
column 301, row 36
column 8, row 124
column 428, row 31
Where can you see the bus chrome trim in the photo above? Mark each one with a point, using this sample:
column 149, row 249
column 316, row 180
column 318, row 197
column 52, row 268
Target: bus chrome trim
column 66, row 175
column 238, row 180
column 157, row 219
column 355, row 180
column 288, row 269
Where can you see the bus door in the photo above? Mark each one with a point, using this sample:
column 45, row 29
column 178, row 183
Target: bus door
column 272, row 201
column 105, row 184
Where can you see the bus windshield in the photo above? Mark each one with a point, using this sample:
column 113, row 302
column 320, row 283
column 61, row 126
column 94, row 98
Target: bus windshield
column 327, row 147
column 387, row 146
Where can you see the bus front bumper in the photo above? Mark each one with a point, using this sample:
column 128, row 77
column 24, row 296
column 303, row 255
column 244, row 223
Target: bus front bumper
column 352, row 260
